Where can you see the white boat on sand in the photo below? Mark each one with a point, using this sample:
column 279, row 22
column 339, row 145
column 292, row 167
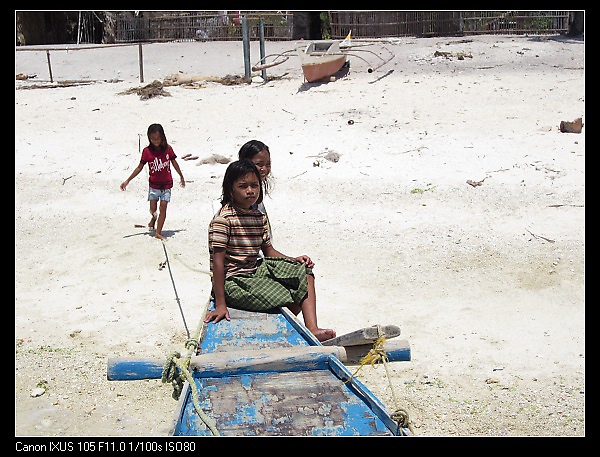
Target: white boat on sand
column 321, row 59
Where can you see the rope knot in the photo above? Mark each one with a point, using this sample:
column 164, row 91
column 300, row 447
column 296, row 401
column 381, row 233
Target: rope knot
column 378, row 355
column 171, row 373
column 192, row 345
column 177, row 372
column 175, row 365
column 400, row 416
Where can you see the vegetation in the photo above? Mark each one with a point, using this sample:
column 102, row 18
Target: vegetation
column 325, row 25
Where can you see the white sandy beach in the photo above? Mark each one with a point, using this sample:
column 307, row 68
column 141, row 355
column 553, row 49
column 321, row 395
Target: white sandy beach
column 485, row 281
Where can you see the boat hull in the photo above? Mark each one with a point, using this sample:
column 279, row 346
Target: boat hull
column 319, row 399
column 321, row 59
column 321, row 70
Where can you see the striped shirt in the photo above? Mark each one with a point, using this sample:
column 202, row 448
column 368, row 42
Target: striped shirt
column 241, row 233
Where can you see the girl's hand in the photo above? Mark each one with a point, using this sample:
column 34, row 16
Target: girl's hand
column 182, row 182
column 219, row 313
column 305, row 260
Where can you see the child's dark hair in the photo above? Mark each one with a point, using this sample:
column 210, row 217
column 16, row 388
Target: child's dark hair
column 234, row 171
column 249, row 150
column 153, row 128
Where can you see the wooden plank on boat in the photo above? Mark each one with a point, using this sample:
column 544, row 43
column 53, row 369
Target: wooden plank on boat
column 364, row 335
column 315, row 403
column 229, row 363
column 251, row 330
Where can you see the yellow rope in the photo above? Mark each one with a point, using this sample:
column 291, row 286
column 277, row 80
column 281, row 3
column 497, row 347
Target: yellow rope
column 378, row 355
column 375, row 355
column 210, row 423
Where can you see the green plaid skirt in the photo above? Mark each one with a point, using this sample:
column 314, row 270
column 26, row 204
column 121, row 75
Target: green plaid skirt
column 277, row 282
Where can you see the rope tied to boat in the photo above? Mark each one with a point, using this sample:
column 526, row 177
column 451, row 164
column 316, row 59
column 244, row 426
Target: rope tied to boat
column 172, row 375
column 169, row 371
column 176, row 371
column 175, row 368
column 378, row 355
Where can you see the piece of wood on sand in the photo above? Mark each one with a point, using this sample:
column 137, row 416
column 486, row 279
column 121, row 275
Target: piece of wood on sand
column 364, row 336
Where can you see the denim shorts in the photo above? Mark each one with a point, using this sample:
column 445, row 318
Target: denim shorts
column 158, row 194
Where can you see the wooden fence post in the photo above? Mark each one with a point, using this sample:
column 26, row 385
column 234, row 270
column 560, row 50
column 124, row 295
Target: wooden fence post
column 49, row 66
column 141, row 62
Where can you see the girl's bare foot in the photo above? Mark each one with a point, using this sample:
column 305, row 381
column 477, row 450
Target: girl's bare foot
column 324, row 334
column 159, row 236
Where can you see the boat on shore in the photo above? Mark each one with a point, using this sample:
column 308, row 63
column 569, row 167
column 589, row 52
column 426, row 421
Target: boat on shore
column 321, row 59
column 265, row 374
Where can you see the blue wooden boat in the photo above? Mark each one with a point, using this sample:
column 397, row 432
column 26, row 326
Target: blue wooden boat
column 265, row 374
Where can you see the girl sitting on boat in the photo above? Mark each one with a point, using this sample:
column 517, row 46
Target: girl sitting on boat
column 236, row 235
column 258, row 153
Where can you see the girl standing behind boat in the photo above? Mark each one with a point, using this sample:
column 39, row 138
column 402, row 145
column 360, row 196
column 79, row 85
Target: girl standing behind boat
column 159, row 156
column 236, row 234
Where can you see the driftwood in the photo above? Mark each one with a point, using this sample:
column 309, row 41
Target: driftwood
column 539, row 236
column 156, row 88
column 215, row 158
column 449, row 55
column 475, row 183
column 24, row 76
column 558, row 205
column 177, row 79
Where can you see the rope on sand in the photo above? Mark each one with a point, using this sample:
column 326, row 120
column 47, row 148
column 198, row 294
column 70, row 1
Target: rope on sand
column 189, row 267
column 175, row 289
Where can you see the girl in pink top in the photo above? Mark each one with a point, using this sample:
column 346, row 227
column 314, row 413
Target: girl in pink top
column 159, row 156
